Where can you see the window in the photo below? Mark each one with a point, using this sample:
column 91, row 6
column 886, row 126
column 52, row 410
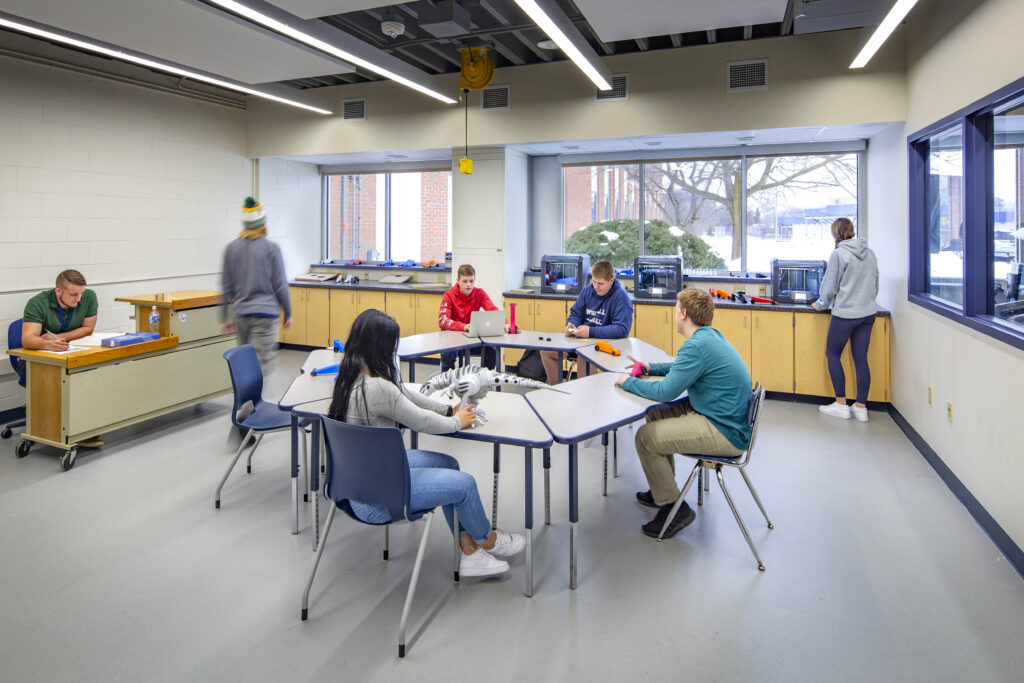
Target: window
column 734, row 213
column 966, row 223
column 380, row 216
column 792, row 202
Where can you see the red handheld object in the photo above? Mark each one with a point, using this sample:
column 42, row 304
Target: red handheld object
column 637, row 369
column 512, row 318
column 759, row 300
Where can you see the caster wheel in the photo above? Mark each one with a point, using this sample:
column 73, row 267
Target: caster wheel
column 6, row 434
column 67, row 461
column 21, row 450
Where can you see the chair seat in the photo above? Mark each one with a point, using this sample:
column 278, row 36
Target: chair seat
column 267, row 416
column 725, row 460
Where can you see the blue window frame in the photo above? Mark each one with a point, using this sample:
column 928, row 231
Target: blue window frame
column 980, row 297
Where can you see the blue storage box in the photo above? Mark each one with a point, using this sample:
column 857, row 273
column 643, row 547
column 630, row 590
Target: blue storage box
column 130, row 338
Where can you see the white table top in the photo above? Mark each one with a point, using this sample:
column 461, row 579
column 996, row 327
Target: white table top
column 544, row 341
column 630, row 346
column 318, row 358
column 306, row 388
column 428, row 343
column 594, row 405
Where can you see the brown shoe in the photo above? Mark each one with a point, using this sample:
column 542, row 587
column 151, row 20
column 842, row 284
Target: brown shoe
column 91, row 442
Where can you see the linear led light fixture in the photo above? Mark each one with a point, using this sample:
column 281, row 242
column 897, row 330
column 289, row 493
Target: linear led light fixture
column 333, row 50
column 897, row 14
column 548, row 22
column 150, row 63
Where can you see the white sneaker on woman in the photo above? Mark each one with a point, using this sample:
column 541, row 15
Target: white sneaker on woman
column 481, row 563
column 507, row 544
column 861, row 414
column 836, row 410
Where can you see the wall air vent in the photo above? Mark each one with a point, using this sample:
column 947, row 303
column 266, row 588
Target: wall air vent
column 750, row 75
column 495, row 97
column 619, row 91
column 353, row 110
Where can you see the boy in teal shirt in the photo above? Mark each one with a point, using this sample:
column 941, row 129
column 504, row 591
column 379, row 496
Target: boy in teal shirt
column 712, row 422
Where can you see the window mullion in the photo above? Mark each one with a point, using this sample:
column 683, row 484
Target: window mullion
column 978, row 218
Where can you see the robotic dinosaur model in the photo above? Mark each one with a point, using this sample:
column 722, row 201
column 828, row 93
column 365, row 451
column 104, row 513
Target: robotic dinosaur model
column 470, row 383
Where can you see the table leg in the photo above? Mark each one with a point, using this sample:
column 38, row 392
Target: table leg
column 547, row 486
column 314, row 477
column 412, row 370
column 615, row 454
column 528, row 485
column 295, row 472
column 494, row 499
column 561, row 370
column 414, row 438
column 604, row 444
column 573, row 512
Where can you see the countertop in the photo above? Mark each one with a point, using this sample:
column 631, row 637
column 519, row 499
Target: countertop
column 371, row 287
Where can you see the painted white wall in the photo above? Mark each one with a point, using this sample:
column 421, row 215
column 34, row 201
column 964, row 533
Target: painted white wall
column 956, row 55
column 479, row 213
column 290, row 193
column 545, row 210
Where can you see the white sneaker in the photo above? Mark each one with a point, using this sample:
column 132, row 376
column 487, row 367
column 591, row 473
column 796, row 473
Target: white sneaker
column 481, row 563
column 859, row 413
column 507, row 545
column 835, row 410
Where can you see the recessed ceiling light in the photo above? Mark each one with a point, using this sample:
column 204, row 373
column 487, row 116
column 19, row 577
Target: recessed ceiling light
column 547, row 45
column 896, row 14
column 551, row 21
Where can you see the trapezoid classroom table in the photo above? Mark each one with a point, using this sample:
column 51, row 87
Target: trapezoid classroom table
column 74, row 396
column 538, row 341
column 511, row 422
column 592, row 406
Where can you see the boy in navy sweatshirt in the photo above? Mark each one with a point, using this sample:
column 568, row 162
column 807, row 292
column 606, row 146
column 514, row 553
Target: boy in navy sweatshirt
column 603, row 310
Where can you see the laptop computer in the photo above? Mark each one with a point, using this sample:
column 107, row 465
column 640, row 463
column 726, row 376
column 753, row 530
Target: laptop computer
column 486, row 324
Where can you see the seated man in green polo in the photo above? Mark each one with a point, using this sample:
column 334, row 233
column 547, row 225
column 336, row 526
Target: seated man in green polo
column 55, row 317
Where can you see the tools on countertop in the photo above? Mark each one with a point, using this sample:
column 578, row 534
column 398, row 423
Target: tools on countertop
column 740, row 297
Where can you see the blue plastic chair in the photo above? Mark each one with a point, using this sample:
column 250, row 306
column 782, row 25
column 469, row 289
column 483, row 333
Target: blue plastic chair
column 247, row 384
column 754, row 403
column 14, row 342
column 370, row 465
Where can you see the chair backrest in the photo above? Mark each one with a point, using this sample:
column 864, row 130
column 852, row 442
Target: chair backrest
column 246, row 377
column 14, row 342
column 754, row 414
column 366, row 464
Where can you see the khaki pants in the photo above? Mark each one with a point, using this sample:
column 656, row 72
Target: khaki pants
column 679, row 429
column 262, row 334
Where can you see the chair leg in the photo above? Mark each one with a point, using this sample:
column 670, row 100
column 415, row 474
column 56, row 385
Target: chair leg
column 458, row 548
column 739, row 520
column 316, row 561
column 547, row 486
column 679, row 501
column 387, row 529
column 305, row 465
column 248, row 462
column 238, row 453
column 604, row 483
column 757, row 498
column 412, row 583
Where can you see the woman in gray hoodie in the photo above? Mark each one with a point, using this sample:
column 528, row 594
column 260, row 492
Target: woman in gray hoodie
column 849, row 289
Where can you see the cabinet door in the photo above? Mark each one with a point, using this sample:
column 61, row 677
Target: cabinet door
column 734, row 324
column 427, row 308
column 524, row 321
column 771, row 350
column 318, row 316
column 810, row 371
column 297, row 333
column 549, row 315
column 402, row 307
column 344, row 309
column 878, row 356
column 368, row 300
column 654, row 325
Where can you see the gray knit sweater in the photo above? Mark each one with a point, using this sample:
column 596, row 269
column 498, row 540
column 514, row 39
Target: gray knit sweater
column 851, row 281
column 254, row 279
column 387, row 405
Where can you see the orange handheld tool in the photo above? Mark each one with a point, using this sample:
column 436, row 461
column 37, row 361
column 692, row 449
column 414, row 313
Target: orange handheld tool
column 431, row 262
column 720, row 293
column 607, row 348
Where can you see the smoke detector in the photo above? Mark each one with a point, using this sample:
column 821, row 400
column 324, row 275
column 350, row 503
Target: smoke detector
column 392, row 26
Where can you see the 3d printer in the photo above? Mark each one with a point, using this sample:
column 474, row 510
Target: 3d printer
column 564, row 273
column 797, row 282
column 657, row 277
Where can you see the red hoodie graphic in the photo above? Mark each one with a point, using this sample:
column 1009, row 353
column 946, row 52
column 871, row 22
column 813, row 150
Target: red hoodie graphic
column 456, row 307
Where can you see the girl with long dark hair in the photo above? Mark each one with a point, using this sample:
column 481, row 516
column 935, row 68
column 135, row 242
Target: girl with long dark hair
column 369, row 392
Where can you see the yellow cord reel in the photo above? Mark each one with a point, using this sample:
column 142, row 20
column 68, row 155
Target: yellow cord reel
column 477, row 69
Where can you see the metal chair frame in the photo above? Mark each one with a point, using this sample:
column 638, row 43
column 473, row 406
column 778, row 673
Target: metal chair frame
column 754, row 405
column 14, row 342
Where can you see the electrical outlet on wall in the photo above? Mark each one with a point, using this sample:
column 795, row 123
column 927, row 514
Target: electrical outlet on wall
column 930, row 398
column 949, row 410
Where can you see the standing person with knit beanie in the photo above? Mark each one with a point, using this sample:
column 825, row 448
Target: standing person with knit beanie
column 255, row 287
column 849, row 288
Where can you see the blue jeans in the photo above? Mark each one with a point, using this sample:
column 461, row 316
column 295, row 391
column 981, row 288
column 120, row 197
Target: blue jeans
column 435, row 479
column 488, row 358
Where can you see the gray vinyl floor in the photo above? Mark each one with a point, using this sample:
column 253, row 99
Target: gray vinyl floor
column 121, row 570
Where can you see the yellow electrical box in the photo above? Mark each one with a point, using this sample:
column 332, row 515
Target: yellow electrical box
column 466, row 166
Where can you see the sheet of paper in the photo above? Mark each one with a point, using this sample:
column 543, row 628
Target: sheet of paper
column 67, row 350
column 96, row 338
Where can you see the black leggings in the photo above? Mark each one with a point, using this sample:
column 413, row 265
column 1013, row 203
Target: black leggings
column 857, row 331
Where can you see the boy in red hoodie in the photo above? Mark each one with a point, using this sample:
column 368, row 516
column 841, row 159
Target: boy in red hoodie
column 457, row 305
